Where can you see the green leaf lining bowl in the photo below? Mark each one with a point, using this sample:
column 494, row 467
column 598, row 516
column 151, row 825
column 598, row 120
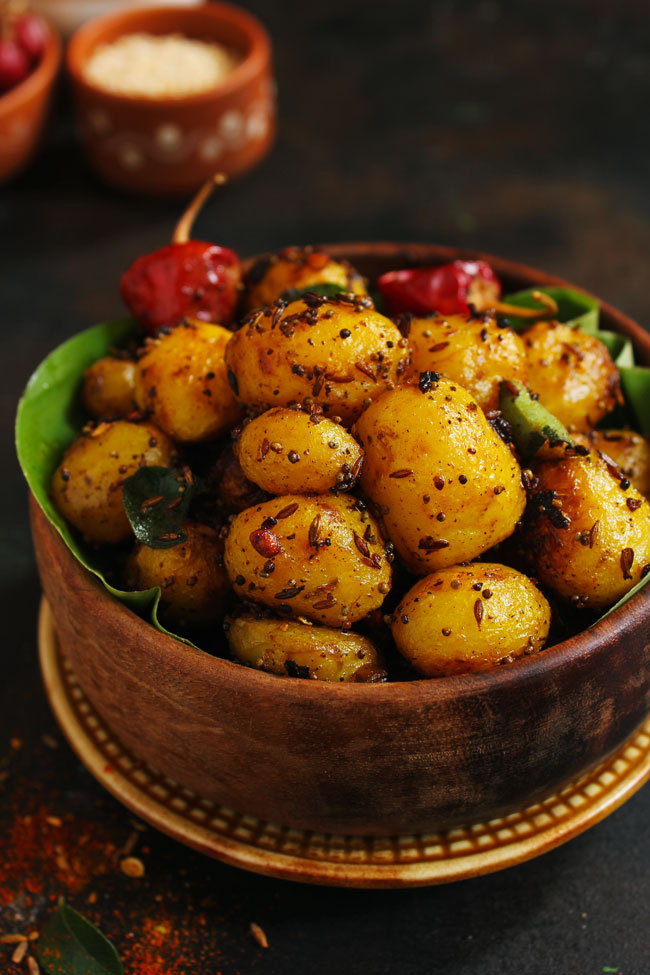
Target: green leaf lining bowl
column 379, row 759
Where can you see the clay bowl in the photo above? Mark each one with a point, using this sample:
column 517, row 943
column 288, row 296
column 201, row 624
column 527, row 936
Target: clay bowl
column 359, row 759
column 23, row 110
column 168, row 146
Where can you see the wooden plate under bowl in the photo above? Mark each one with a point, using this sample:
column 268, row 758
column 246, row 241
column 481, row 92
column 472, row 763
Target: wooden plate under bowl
column 365, row 760
column 331, row 859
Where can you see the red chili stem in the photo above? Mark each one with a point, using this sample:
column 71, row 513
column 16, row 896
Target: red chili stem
column 184, row 225
column 549, row 309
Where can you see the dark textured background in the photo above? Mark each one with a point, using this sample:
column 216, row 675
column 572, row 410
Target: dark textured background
column 516, row 128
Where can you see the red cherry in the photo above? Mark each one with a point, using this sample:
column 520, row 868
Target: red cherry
column 31, row 33
column 14, row 64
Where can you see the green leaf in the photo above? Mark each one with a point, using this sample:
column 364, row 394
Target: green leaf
column 49, row 418
column 573, row 307
column 327, row 290
column 70, row 945
column 532, row 424
column 156, row 501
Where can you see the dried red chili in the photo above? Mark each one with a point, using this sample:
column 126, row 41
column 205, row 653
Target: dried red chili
column 185, row 279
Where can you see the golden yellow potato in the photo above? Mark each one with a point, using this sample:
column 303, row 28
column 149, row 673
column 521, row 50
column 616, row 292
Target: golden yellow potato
column 193, row 581
column 572, row 372
column 234, row 492
column 87, row 484
column 108, row 387
column 290, row 452
column 292, row 649
column 338, row 352
column 446, row 485
column 296, row 267
column 629, row 450
column 588, row 530
column 469, row 618
column 319, row 557
column 476, row 352
column 181, row 378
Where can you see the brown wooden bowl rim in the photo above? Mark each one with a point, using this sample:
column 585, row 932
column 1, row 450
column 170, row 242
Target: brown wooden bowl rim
column 41, row 78
column 427, row 690
column 254, row 61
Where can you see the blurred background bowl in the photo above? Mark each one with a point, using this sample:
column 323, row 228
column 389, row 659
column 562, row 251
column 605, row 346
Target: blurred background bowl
column 70, row 14
column 167, row 146
column 23, row 110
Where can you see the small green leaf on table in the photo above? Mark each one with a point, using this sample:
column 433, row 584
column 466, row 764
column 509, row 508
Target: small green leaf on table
column 70, row 945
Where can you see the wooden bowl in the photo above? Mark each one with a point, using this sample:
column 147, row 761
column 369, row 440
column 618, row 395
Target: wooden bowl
column 167, row 146
column 358, row 759
column 23, row 110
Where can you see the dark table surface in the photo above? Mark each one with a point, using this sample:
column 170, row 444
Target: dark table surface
column 519, row 129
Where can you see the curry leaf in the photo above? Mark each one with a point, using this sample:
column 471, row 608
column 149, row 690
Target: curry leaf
column 49, row 417
column 573, row 307
column 326, row 290
column 70, row 945
column 156, row 501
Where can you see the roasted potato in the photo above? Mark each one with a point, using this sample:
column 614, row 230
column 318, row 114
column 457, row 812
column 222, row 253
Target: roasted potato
column 588, row 530
column 87, row 484
column 233, row 491
column 290, row 452
column 446, row 485
column 181, row 379
column 573, row 374
column 477, row 352
column 296, row 268
column 191, row 576
column 319, row 557
column 629, row 450
column 338, row 352
column 470, row 618
column 293, row 649
column 108, row 389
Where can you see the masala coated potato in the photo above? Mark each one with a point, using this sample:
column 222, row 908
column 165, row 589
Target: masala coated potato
column 338, row 352
column 477, row 352
column 181, row 379
column 629, row 450
column 108, row 389
column 448, row 488
column 315, row 556
column 229, row 485
column 194, row 585
column 291, row 452
column 292, row 649
column 464, row 619
column 587, row 530
column 87, row 485
column 573, row 374
column 296, row 268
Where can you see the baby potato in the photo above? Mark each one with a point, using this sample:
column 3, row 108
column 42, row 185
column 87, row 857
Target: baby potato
column 629, row 450
column 181, row 379
column 319, row 557
column 463, row 619
column 87, row 485
column 193, row 582
column 447, row 486
column 289, row 452
column 338, row 352
column 292, row 649
column 477, row 352
column 234, row 491
column 108, row 387
column 296, row 267
column 572, row 372
column 588, row 530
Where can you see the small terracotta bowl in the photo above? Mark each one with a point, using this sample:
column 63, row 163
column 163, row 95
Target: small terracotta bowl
column 171, row 145
column 359, row 759
column 23, row 110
